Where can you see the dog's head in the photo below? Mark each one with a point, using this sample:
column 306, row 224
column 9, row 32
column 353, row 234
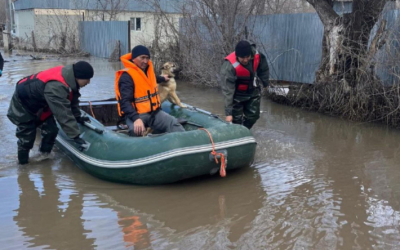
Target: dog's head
column 169, row 67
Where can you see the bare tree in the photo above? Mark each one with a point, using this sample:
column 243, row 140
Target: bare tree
column 2, row 19
column 352, row 48
column 207, row 32
column 57, row 30
column 345, row 43
column 2, row 12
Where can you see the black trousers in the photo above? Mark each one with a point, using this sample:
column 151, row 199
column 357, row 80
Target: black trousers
column 246, row 108
column 26, row 134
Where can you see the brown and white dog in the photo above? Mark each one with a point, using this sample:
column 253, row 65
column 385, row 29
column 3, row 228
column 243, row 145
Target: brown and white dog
column 167, row 90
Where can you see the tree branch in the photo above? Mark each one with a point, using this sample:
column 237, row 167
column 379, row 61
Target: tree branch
column 324, row 9
column 378, row 40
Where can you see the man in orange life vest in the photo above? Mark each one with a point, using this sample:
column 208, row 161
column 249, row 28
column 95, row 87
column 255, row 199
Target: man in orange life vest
column 41, row 97
column 241, row 74
column 137, row 95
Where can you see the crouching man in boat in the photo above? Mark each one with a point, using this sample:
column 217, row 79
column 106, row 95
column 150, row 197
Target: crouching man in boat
column 241, row 74
column 137, row 95
column 41, row 97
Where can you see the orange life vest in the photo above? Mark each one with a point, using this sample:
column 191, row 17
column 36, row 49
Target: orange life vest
column 245, row 78
column 146, row 97
column 53, row 74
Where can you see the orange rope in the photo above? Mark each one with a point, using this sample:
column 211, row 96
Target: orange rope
column 222, row 170
column 91, row 109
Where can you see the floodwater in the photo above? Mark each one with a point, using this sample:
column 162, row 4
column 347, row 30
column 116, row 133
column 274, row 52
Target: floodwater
column 318, row 183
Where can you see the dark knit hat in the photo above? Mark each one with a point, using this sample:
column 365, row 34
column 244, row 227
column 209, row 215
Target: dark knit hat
column 243, row 49
column 140, row 50
column 83, row 70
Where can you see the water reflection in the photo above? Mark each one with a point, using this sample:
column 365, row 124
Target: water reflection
column 167, row 216
column 44, row 219
column 330, row 180
column 361, row 154
column 136, row 233
column 62, row 209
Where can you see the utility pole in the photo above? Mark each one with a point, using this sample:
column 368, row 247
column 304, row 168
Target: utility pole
column 8, row 42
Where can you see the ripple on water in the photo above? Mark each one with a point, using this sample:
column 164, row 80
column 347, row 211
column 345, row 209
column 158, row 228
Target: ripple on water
column 298, row 206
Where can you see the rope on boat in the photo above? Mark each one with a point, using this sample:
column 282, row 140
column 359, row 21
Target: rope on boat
column 91, row 109
column 222, row 170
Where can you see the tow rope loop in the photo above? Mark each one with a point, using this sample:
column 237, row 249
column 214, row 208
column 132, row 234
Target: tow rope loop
column 222, row 170
column 91, row 109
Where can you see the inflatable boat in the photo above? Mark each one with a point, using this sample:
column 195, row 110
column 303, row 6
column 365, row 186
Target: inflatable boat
column 208, row 146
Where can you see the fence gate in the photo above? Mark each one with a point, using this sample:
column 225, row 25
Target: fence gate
column 99, row 38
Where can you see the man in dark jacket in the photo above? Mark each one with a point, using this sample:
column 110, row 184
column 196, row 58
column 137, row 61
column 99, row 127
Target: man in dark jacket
column 1, row 64
column 39, row 98
column 241, row 74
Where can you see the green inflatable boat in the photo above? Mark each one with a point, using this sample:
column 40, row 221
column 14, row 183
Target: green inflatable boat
column 209, row 146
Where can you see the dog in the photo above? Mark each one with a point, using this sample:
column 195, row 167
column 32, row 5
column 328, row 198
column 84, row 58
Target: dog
column 167, row 90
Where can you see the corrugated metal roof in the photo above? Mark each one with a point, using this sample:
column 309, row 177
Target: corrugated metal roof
column 170, row 6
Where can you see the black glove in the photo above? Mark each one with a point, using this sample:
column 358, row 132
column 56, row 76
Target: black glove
column 82, row 143
column 82, row 119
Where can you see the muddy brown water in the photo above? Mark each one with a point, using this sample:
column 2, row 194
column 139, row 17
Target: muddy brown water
column 318, row 183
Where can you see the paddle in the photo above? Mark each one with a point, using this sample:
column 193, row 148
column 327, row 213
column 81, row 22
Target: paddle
column 203, row 111
column 183, row 121
column 97, row 130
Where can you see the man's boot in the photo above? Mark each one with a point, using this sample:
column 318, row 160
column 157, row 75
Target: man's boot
column 44, row 150
column 45, row 147
column 23, row 156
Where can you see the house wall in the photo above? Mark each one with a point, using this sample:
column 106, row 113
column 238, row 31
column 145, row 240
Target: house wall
column 52, row 27
column 153, row 28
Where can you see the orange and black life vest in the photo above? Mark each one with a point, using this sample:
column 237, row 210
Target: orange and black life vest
column 146, row 97
column 244, row 77
column 31, row 90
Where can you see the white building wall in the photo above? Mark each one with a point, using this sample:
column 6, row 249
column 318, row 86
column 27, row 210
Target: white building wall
column 52, row 28
column 154, row 28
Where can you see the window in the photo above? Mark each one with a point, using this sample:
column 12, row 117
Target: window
column 136, row 23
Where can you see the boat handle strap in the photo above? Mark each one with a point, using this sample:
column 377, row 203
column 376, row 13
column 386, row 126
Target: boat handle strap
column 222, row 170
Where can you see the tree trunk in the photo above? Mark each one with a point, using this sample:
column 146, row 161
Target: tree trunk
column 34, row 42
column 345, row 42
column 116, row 54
